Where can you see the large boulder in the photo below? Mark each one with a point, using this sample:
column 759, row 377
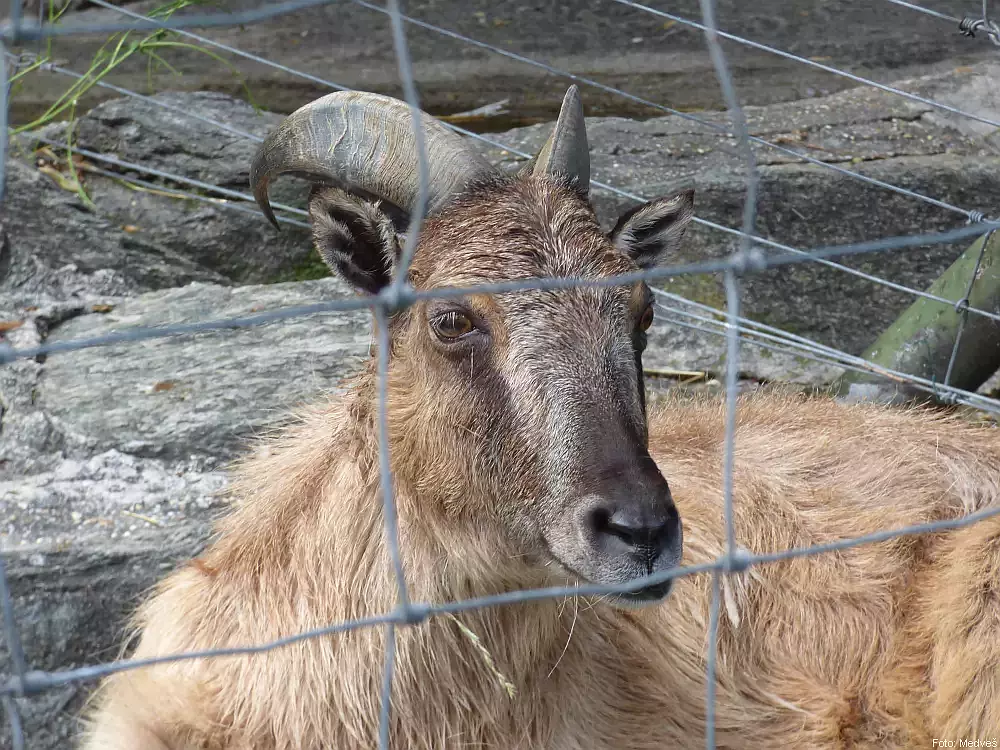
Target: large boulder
column 166, row 135
column 181, row 397
column 53, row 249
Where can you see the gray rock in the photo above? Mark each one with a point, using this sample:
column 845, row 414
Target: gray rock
column 54, row 249
column 122, row 478
column 199, row 395
column 801, row 205
column 72, row 599
column 213, row 237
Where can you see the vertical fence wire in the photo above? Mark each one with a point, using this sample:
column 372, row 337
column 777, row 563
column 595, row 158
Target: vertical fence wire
column 410, row 92
column 963, row 307
column 391, row 299
column 13, row 714
column 389, row 668
column 741, row 258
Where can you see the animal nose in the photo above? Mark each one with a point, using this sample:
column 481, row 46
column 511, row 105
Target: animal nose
column 644, row 530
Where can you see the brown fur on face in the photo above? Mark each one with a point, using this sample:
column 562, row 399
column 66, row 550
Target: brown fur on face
column 884, row 645
column 520, row 432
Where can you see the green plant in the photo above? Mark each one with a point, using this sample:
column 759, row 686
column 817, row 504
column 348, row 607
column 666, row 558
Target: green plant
column 116, row 50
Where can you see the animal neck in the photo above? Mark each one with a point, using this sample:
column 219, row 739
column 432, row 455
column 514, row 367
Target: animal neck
column 312, row 525
column 310, row 535
column 508, row 660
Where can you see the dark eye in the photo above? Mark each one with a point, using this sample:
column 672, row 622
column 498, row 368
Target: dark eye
column 452, row 325
column 647, row 319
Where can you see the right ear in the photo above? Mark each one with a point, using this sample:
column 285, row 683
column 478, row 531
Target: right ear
column 652, row 232
column 354, row 237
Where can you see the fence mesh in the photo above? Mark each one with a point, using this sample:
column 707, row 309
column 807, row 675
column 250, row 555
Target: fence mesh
column 753, row 255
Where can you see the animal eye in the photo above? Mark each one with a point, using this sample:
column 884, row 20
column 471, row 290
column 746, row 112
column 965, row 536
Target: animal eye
column 647, row 319
column 452, row 325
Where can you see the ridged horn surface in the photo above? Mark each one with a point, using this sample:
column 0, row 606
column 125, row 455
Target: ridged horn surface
column 365, row 143
column 566, row 152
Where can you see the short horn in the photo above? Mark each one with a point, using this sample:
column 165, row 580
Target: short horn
column 567, row 152
column 364, row 143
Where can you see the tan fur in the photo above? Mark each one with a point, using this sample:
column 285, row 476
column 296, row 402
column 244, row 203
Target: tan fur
column 885, row 645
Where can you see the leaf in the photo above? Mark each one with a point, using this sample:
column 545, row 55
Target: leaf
column 102, row 308
column 10, row 325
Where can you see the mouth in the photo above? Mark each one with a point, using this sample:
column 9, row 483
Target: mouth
column 646, row 596
column 639, row 597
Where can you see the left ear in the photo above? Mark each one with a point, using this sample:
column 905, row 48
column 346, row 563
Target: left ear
column 655, row 229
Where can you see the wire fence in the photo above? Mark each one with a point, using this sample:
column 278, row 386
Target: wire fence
column 753, row 255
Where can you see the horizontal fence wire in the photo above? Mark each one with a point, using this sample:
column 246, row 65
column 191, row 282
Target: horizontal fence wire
column 776, row 339
column 927, row 11
column 746, row 260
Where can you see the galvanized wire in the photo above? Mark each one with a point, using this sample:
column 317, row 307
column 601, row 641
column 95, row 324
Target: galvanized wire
column 927, row 11
column 963, row 306
column 398, row 295
column 775, row 339
column 13, row 714
column 742, row 258
column 169, row 176
column 814, row 64
column 188, row 195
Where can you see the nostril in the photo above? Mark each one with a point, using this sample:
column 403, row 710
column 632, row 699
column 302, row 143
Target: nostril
column 600, row 520
column 634, row 529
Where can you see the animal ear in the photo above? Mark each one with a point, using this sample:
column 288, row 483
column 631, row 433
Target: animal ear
column 355, row 237
column 655, row 229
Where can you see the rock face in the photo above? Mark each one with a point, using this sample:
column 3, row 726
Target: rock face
column 801, row 205
column 217, row 243
column 122, row 479
column 54, row 249
column 112, row 458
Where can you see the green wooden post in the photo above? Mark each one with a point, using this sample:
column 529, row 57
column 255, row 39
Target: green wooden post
column 921, row 340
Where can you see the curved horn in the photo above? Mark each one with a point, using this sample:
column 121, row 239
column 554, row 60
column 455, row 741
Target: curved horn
column 364, row 142
column 566, row 151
